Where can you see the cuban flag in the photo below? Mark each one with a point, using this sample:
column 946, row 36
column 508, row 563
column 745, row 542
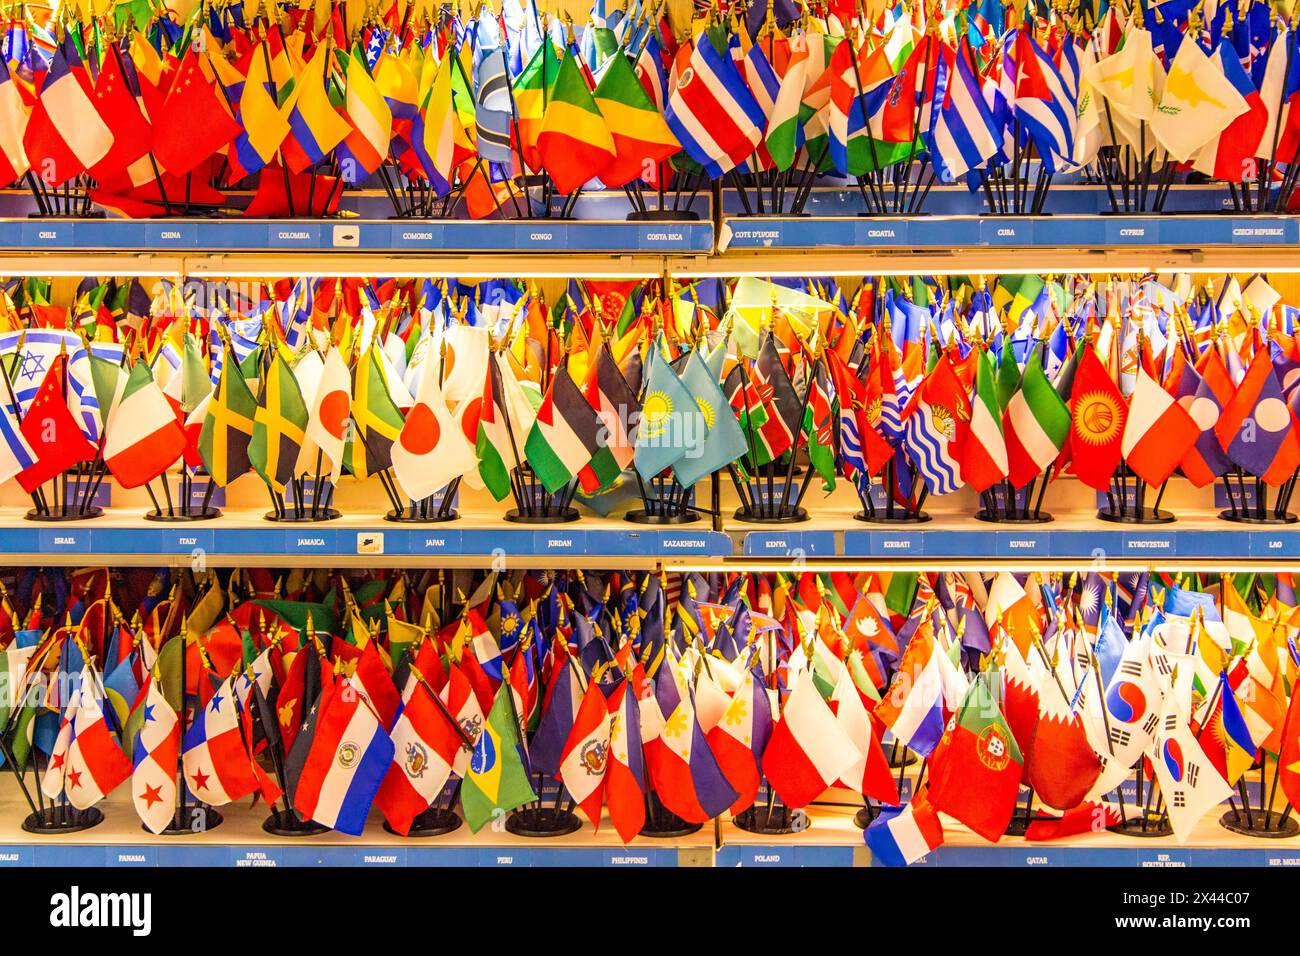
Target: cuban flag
column 711, row 111
column 963, row 135
column 912, row 707
column 216, row 764
column 1044, row 103
column 338, row 761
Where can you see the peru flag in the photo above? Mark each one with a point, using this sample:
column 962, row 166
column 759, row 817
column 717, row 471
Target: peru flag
column 425, row 744
column 625, row 775
column 586, row 753
column 740, row 737
column 216, row 764
column 809, row 750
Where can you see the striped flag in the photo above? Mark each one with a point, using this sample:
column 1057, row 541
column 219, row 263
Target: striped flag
column 1036, row 424
column 338, row 761
column 492, row 111
column 984, row 452
column 711, row 111
column 934, row 427
column 217, row 766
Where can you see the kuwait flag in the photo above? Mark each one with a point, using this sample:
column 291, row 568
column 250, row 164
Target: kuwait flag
column 984, row 451
column 217, row 765
column 1036, row 424
column 1158, row 432
column 142, row 437
column 564, row 435
column 625, row 775
column 586, row 753
column 337, row 764
column 740, row 737
column 809, row 750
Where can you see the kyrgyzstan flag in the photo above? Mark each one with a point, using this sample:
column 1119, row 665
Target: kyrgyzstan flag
column 142, row 437
column 809, row 750
column 1097, row 415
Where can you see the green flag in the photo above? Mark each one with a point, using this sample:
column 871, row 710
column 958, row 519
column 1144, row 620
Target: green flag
column 497, row 780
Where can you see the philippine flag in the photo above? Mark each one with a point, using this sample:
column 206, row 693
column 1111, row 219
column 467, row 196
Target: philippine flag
column 337, row 763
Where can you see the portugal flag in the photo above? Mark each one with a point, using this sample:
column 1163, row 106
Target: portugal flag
column 1097, row 416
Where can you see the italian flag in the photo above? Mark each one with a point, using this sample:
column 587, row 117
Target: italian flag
column 1036, row 424
column 142, row 437
column 984, row 456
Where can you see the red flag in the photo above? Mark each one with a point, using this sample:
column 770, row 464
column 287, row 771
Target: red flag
column 1064, row 766
column 118, row 108
column 52, row 432
column 208, row 126
column 1097, row 416
column 586, row 753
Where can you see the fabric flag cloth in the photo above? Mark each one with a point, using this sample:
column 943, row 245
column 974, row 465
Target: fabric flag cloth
column 564, row 436
column 723, row 440
column 497, row 779
column 329, row 412
column 1256, row 427
column 671, row 425
column 740, row 737
column 157, row 749
column 641, row 137
column 983, row 452
column 338, row 762
column 809, row 749
column 1036, row 424
column 912, row 707
column 1197, row 104
column 683, row 770
column 1097, row 416
column 574, row 143
column 1063, row 766
column 431, row 448
column 51, row 432
column 934, row 426
column 711, row 111
column 142, row 437
column 586, row 753
column 279, row 426
column 1158, row 432
column 65, row 134
column 15, row 454
column 977, row 766
column 1189, row 783
column 228, row 425
column 425, row 744
column 94, row 765
column 902, row 837
column 216, row 764
column 625, row 779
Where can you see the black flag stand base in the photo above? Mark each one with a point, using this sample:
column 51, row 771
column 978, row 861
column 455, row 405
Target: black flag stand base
column 900, row 756
column 1151, row 819
column 893, row 511
column 292, row 507
column 663, row 501
column 770, row 495
column 535, row 505
column 288, row 825
column 1262, row 824
column 1119, row 511
column 433, row 822
column 186, row 510
column 543, row 822
column 191, row 819
column 68, row 496
column 770, row 817
column 62, row 818
column 1259, row 510
column 1002, row 504
column 436, row 508
column 1019, row 824
column 864, row 817
column 661, row 823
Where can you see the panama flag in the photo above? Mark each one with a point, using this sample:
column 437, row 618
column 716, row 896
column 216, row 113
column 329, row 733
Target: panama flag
column 901, row 837
column 431, row 449
column 1189, row 782
column 338, row 762
column 157, row 749
column 683, row 771
column 93, row 763
column 216, row 764
column 711, row 111
column 625, row 776
column 809, row 750
column 934, row 426
column 1157, row 433
column 912, row 707
column 740, row 737
column 586, row 753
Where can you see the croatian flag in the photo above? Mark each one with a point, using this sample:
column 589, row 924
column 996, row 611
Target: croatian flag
column 338, row 762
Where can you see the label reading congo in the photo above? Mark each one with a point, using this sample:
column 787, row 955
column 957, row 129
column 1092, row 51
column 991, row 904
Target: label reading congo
column 991, row 747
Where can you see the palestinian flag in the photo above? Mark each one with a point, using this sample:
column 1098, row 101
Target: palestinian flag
column 496, row 457
column 614, row 401
column 278, row 426
column 642, row 139
column 574, row 143
column 142, row 438
column 377, row 418
column 228, row 427
column 984, row 450
column 1036, row 423
column 564, row 435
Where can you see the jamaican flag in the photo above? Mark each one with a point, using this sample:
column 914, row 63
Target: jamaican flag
column 278, row 426
column 228, row 427
column 376, row 416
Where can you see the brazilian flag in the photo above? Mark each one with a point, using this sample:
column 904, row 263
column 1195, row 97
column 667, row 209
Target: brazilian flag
column 496, row 781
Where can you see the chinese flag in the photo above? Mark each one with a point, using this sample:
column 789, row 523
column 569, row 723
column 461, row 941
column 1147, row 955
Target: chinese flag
column 1097, row 415
column 52, row 432
column 207, row 125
